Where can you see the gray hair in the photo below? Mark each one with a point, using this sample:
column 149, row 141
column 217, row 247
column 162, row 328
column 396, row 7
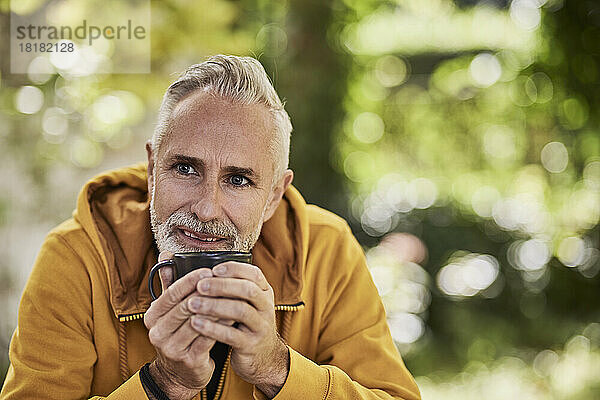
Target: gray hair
column 240, row 79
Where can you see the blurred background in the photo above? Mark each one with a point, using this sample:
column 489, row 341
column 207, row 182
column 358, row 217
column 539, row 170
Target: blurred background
column 460, row 139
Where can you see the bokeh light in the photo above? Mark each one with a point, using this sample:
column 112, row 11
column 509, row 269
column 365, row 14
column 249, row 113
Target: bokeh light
column 402, row 284
column 272, row 39
column 575, row 113
column 483, row 200
column 406, row 328
column 468, row 275
column 368, row 127
column 55, row 124
column 555, row 157
column 485, row 69
column 591, row 175
column 533, row 254
column 40, row 70
column 526, row 13
column 359, row 166
column 571, row 251
column 29, row 100
column 540, row 87
column 85, row 153
column 391, row 71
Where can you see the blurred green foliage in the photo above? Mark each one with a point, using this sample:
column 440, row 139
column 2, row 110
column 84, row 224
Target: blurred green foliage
column 472, row 128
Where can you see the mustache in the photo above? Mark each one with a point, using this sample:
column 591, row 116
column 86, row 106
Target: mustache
column 190, row 221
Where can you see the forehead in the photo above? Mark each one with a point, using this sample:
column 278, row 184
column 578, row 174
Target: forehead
column 207, row 125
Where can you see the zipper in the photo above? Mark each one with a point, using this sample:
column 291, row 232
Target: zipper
column 203, row 394
column 130, row 317
column 290, row 307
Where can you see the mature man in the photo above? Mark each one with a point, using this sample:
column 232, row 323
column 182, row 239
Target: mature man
column 304, row 322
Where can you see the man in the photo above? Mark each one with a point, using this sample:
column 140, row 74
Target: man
column 303, row 322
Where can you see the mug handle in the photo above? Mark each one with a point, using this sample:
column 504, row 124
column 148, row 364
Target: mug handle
column 153, row 271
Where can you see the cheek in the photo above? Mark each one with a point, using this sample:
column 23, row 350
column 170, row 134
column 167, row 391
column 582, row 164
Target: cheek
column 246, row 211
column 168, row 198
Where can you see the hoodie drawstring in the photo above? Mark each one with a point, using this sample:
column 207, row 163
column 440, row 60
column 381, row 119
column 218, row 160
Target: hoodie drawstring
column 123, row 367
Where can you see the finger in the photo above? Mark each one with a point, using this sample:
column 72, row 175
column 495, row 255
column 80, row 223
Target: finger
column 165, row 255
column 166, row 277
column 170, row 322
column 177, row 344
column 199, row 350
column 166, row 273
column 219, row 320
column 236, row 289
column 232, row 269
column 189, row 337
column 174, row 294
column 221, row 333
column 226, row 309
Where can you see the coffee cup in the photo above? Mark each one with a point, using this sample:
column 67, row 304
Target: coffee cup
column 184, row 263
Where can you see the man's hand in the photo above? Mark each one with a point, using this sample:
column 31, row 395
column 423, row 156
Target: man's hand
column 183, row 366
column 239, row 292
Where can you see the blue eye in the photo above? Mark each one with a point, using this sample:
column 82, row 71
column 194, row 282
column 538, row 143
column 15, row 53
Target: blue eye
column 238, row 180
column 184, row 169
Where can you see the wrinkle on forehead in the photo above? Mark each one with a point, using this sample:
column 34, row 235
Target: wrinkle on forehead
column 200, row 105
column 199, row 102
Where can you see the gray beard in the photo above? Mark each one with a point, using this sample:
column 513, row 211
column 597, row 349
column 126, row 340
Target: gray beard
column 165, row 233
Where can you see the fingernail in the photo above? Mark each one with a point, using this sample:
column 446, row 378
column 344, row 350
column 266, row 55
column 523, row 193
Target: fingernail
column 220, row 269
column 195, row 304
column 205, row 285
column 205, row 273
column 198, row 322
column 165, row 255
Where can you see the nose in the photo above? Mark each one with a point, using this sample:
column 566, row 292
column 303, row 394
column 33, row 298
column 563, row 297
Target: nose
column 208, row 205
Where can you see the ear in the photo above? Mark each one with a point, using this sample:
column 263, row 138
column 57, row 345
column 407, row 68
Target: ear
column 277, row 193
column 150, row 165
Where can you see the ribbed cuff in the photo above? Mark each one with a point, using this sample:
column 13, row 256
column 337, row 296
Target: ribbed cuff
column 149, row 383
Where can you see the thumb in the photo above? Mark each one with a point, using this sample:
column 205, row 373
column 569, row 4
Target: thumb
column 165, row 273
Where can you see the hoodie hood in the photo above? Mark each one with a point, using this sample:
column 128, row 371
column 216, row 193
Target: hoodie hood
column 113, row 209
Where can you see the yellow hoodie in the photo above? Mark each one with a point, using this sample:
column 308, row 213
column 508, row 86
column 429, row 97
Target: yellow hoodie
column 80, row 331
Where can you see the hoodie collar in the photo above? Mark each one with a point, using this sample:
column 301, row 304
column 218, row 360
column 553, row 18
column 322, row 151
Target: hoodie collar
column 113, row 209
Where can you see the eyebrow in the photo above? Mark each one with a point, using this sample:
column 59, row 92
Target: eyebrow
column 249, row 172
column 230, row 169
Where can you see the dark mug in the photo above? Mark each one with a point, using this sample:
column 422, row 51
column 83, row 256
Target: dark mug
column 184, row 263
